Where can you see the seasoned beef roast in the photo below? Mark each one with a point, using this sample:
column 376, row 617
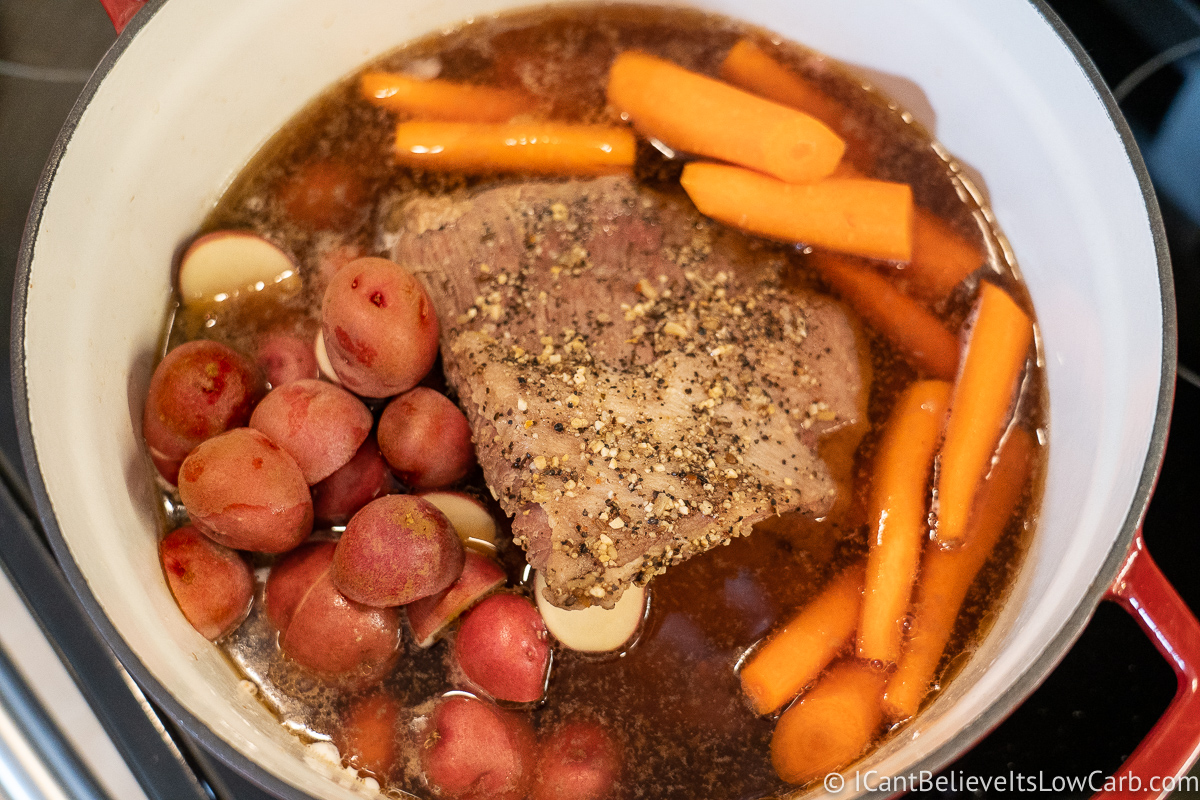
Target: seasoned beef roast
column 639, row 385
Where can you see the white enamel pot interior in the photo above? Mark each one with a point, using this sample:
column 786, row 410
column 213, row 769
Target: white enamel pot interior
column 195, row 87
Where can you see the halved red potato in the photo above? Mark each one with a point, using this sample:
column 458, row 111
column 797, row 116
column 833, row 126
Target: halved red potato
column 429, row 616
column 471, row 519
column 285, row 357
column 362, row 479
column 472, row 750
column 502, row 647
column 212, row 584
column 593, row 629
column 322, row 357
column 318, row 424
column 367, row 737
column 224, row 265
column 426, row 439
column 578, row 760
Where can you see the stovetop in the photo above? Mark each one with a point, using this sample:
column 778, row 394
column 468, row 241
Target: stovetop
column 1088, row 715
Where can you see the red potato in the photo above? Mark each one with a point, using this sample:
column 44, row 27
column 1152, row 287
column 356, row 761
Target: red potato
column 321, row 629
column 578, row 761
column 395, row 550
column 430, row 615
column 380, row 329
column 426, row 439
column 331, row 260
column 363, row 478
column 472, row 750
column 322, row 357
column 198, row 390
column 283, row 358
column 318, row 424
column 503, row 648
column 324, row 195
column 367, row 736
column 245, row 492
column 213, row 585
column 225, row 265
column 471, row 519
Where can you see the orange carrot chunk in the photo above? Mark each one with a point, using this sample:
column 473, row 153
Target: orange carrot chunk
column 444, row 100
column 831, row 725
column 861, row 217
column 898, row 517
column 795, row 655
column 541, row 147
column 996, row 353
column 941, row 257
column 946, row 575
column 697, row 114
column 912, row 330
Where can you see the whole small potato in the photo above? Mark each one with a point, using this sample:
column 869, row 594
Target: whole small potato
column 320, row 628
column 324, row 195
column 397, row 549
column 365, row 477
column 320, row 425
column 198, row 390
column 380, row 329
column 503, row 648
column 245, row 492
column 472, row 750
column 577, row 761
column 367, row 737
column 213, row 585
column 426, row 439
column 285, row 357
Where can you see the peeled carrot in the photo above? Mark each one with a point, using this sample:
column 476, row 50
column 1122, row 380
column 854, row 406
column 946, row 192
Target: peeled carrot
column 996, row 353
column 915, row 332
column 941, row 257
column 861, row 217
column 898, row 520
column 946, row 575
column 697, row 114
column 444, row 100
column 541, row 147
column 795, row 655
column 831, row 725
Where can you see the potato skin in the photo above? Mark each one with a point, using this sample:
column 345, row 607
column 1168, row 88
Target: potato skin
column 396, row 549
column 212, row 584
column 362, row 479
column 426, row 439
column 199, row 389
column 472, row 750
column 380, row 328
column 503, row 648
column 367, row 737
column 577, row 761
column 324, row 195
column 243, row 491
column 320, row 425
column 284, row 357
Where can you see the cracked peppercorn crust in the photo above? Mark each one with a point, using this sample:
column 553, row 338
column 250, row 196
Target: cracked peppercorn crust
column 640, row 386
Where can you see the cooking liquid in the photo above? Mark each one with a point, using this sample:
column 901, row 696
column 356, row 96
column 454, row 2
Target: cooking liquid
column 672, row 698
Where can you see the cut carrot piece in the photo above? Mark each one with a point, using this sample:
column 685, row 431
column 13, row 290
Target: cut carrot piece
column 861, row 217
column 444, row 100
column 898, row 519
column 946, row 575
column 995, row 357
column 941, row 257
column 795, row 655
column 831, row 725
column 697, row 114
column 912, row 330
column 545, row 148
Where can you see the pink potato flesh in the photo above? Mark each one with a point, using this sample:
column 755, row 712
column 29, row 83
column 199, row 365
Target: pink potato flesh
column 198, row 390
column 284, row 357
column 320, row 425
column 321, row 629
column 426, row 439
column 430, row 615
column 577, row 761
column 395, row 550
column 212, row 584
column 245, row 492
column 381, row 330
column 350, row 487
column 367, row 736
column 503, row 648
column 472, row 750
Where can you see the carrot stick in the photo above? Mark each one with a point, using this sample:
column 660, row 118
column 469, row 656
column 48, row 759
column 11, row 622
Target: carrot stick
column 831, row 725
column 897, row 516
column 941, row 257
column 911, row 329
column 444, row 100
column 697, row 114
column 541, row 147
column 995, row 356
column 946, row 575
column 861, row 217
column 795, row 655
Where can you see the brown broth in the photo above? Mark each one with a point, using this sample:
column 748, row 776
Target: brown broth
column 673, row 697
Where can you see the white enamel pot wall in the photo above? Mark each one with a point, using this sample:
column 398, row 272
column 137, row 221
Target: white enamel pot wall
column 194, row 87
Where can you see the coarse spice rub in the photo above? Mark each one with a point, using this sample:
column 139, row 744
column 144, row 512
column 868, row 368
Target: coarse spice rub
column 640, row 385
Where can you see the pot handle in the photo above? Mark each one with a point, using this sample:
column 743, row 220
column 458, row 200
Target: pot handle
column 121, row 11
column 1173, row 744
